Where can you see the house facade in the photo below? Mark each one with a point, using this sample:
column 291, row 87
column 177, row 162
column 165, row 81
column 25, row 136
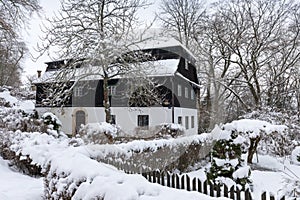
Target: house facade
column 173, row 70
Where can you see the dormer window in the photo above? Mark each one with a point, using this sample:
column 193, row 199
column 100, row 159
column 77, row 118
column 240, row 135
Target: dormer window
column 186, row 65
column 78, row 91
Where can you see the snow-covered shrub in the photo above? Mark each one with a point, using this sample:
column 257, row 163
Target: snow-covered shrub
column 19, row 161
column 99, row 133
column 170, row 130
column 13, row 119
column 291, row 188
column 279, row 142
column 295, row 156
column 226, row 160
column 255, row 131
column 53, row 124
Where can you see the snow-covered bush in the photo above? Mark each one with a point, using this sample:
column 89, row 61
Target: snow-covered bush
column 255, row 131
column 295, row 156
column 99, row 133
column 226, row 160
column 291, row 188
column 279, row 142
column 170, row 130
column 15, row 119
column 53, row 124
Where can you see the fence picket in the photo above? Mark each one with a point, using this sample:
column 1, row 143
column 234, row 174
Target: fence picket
column 211, row 189
column 158, row 176
column 182, row 182
column 225, row 190
column 218, row 188
column 177, row 181
column 247, row 195
column 199, row 186
column 238, row 194
column 162, row 178
column 188, row 183
column 231, row 196
column 194, row 187
column 173, row 180
column 168, row 179
column 264, row 196
column 205, row 187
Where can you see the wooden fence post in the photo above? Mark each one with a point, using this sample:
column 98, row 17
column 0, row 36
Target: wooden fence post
column 199, row 186
column 177, row 181
column 154, row 176
column 173, row 180
column 211, row 189
column 205, row 187
column 162, row 178
column 225, row 190
column 218, row 187
column 231, row 196
column 248, row 195
column 182, row 182
column 194, row 187
column 264, row 196
column 188, row 183
column 238, row 194
column 168, row 179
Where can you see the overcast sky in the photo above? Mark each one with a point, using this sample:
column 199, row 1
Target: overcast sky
column 32, row 33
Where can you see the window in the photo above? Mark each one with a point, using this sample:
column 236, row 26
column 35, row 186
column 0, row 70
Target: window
column 186, row 65
column 192, row 122
column 179, row 121
column 179, row 92
column 186, row 92
column 112, row 90
column 186, row 122
column 192, row 94
column 143, row 120
column 113, row 119
column 78, row 91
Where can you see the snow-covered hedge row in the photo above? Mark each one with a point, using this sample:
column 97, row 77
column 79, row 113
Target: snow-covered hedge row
column 73, row 175
column 163, row 154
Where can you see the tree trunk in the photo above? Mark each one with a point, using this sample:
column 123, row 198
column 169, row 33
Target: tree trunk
column 106, row 102
column 252, row 149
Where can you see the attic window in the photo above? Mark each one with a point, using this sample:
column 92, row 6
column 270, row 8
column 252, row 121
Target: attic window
column 186, row 65
column 78, row 91
column 112, row 90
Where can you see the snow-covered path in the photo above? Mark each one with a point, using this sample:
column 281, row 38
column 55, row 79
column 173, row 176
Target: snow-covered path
column 16, row 186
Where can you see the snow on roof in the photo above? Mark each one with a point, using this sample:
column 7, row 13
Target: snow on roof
column 166, row 67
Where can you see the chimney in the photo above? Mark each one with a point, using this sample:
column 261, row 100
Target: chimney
column 39, row 73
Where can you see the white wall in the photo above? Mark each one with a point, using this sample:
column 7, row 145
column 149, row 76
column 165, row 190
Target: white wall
column 126, row 117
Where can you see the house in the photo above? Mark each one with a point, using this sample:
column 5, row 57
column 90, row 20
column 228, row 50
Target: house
column 173, row 68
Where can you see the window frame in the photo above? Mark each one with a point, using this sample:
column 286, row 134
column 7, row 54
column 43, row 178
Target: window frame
column 186, row 92
column 186, row 122
column 143, row 121
column 192, row 121
column 179, row 90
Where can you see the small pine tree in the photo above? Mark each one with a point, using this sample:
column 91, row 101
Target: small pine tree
column 226, row 160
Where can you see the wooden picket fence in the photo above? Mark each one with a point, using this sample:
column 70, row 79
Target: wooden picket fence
column 178, row 181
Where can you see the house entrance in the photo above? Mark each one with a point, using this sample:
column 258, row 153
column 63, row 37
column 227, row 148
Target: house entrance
column 80, row 119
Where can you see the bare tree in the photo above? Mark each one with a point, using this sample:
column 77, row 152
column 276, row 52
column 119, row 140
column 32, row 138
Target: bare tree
column 263, row 38
column 97, row 34
column 181, row 17
column 13, row 16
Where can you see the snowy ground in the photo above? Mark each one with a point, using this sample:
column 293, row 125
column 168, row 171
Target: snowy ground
column 16, row 186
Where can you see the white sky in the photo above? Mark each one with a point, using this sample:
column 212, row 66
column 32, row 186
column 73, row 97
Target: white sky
column 33, row 32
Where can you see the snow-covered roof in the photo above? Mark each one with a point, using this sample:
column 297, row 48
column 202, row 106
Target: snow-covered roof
column 166, row 67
